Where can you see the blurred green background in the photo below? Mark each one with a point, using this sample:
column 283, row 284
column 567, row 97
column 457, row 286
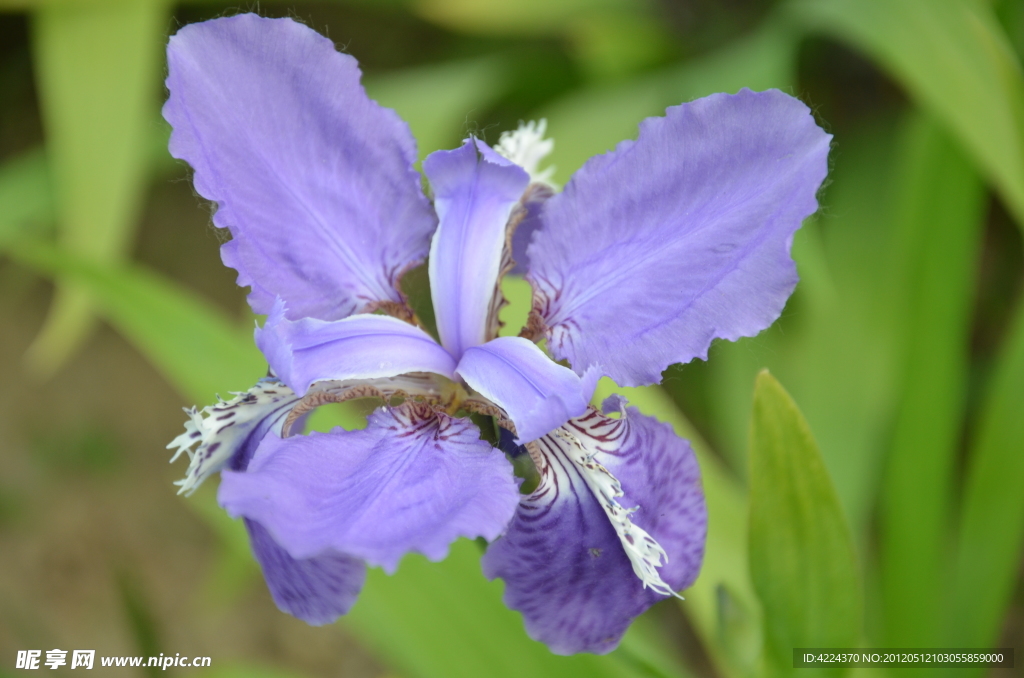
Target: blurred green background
column 875, row 498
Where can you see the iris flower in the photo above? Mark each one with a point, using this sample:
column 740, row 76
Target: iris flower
column 649, row 253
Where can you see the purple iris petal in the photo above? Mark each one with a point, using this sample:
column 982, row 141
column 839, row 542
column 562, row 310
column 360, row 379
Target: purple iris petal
column 564, row 565
column 534, row 200
column 475, row 191
column 412, row 480
column 539, row 395
column 359, row 347
column 317, row 590
column 314, row 180
column 657, row 248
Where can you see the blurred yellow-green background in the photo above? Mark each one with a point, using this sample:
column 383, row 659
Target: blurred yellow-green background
column 902, row 349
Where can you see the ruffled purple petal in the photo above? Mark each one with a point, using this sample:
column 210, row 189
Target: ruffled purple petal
column 564, row 561
column 359, row 347
column 317, row 590
column 314, row 180
column 538, row 395
column 475, row 190
column 412, row 480
column 657, row 248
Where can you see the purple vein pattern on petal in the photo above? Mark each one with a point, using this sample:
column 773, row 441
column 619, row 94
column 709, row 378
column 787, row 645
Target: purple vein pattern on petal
column 561, row 547
column 359, row 347
column 317, row 590
column 412, row 480
column 657, row 248
column 538, row 395
column 313, row 179
column 475, row 191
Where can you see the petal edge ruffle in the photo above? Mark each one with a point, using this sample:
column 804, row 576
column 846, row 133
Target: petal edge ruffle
column 683, row 236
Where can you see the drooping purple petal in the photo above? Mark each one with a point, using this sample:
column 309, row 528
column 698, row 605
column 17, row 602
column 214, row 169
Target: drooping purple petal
column 564, row 557
column 317, row 590
column 657, row 248
column 475, row 190
column 412, row 480
column 359, row 347
column 228, row 433
column 538, row 394
column 313, row 179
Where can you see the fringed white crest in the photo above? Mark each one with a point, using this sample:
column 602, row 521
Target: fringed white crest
column 222, row 429
column 644, row 552
column 527, row 147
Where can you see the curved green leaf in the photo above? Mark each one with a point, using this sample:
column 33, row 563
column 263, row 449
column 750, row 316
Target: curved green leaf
column 954, row 59
column 801, row 554
column 992, row 523
column 940, row 218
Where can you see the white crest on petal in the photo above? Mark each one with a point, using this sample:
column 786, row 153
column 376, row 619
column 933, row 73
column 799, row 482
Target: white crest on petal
column 220, row 430
column 527, row 147
column 644, row 552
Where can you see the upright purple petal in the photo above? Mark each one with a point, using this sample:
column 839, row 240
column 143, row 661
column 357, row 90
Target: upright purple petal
column 359, row 347
column 412, row 480
column 657, row 248
column 564, row 557
column 317, row 590
column 313, row 179
column 538, row 395
column 475, row 191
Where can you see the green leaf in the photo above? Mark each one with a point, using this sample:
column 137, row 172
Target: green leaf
column 97, row 69
column 992, row 523
column 940, row 218
column 801, row 555
column 439, row 101
column 952, row 57
column 191, row 343
column 722, row 604
column 594, row 120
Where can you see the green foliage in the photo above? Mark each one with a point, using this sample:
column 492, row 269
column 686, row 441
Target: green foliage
column 191, row 343
column 431, row 98
column 801, row 553
column 992, row 520
column 939, row 216
column 97, row 69
column 954, row 59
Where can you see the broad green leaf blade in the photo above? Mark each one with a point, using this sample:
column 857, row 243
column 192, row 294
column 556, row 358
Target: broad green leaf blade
column 801, row 555
column 722, row 603
column 444, row 620
column 97, row 68
column 192, row 344
column 955, row 61
column 992, row 523
column 439, row 101
column 594, row 120
column 941, row 216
